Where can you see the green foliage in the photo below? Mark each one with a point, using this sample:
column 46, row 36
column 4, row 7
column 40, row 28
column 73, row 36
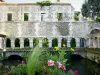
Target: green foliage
column 45, row 42
column 85, row 10
column 19, row 70
column 76, row 16
column 97, row 19
column 59, row 16
column 34, row 64
column 39, row 58
column 54, row 42
column 58, row 0
column 25, row 16
column 44, row 3
column 35, row 42
column 91, row 5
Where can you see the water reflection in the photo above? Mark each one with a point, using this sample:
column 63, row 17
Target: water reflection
column 85, row 66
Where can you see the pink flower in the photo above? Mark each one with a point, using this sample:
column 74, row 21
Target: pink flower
column 59, row 64
column 63, row 67
column 11, row 69
column 51, row 63
column 70, row 70
column 23, row 62
column 76, row 72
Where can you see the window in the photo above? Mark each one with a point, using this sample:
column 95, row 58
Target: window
column 26, row 16
column 59, row 16
column 9, row 16
column 42, row 16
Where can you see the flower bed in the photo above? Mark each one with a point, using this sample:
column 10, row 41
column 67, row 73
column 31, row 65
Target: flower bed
column 43, row 62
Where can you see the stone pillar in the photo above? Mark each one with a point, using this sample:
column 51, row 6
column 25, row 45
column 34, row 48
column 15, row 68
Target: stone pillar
column 4, row 43
column 94, row 43
column 40, row 42
column 77, row 42
column 12, row 43
column 31, row 42
column 50, row 42
column 97, row 42
column 59, row 42
column 89, row 44
column 68, row 41
column 21, row 42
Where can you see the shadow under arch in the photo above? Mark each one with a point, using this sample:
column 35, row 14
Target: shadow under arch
column 76, row 57
column 15, row 57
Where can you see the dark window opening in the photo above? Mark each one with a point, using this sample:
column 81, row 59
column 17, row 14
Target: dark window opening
column 26, row 16
column 9, row 17
column 59, row 16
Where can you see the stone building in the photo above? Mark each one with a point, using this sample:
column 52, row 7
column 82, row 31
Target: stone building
column 25, row 21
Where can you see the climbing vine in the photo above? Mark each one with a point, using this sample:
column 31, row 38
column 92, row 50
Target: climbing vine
column 44, row 3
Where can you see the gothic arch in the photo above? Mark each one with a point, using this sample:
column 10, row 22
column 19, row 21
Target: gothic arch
column 35, row 42
column 45, row 42
column 64, row 42
column 17, row 42
column 93, row 29
column 82, row 42
column 73, row 42
column 54, row 42
column 26, row 42
column 8, row 42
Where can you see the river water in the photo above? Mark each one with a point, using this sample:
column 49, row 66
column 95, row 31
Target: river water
column 86, row 67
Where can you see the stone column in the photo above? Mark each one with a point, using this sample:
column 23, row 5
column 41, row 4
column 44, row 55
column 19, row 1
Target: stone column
column 94, row 43
column 59, row 42
column 50, row 42
column 12, row 43
column 31, row 42
column 68, row 41
column 21, row 42
column 89, row 44
column 77, row 42
column 98, row 41
column 4, row 43
column 40, row 42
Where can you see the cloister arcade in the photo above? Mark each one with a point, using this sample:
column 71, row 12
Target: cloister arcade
column 44, row 42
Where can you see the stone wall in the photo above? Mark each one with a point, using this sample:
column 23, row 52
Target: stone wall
column 35, row 11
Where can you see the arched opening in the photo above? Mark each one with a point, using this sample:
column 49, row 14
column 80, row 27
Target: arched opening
column 8, row 42
column 94, row 41
column 63, row 42
column 54, row 42
column 15, row 57
column 76, row 57
column 45, row 42
column 73, row 42
column 35, row 42
column 17, row 42
column 82, row 42
column 26, row 42
column 13, row 60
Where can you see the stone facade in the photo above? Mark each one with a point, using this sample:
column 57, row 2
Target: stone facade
column 43, row 23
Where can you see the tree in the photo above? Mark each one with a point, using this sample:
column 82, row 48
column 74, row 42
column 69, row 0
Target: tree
column 84, row 10
column 58, row 0
column 91, row 8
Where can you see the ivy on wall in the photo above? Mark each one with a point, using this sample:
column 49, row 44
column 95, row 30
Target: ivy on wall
column 59, row 16
column 76, row 16
column 44, row 3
